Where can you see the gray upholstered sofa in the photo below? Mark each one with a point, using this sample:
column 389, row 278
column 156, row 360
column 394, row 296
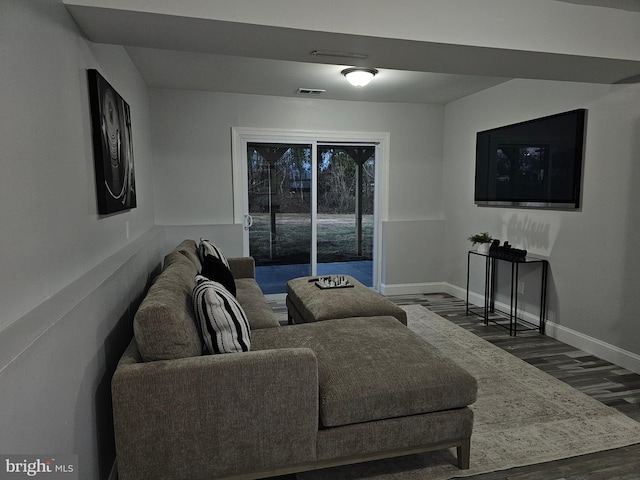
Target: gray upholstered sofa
column 305, row 397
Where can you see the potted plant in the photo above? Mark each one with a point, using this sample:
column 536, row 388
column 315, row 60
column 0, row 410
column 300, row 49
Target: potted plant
column 483, row 240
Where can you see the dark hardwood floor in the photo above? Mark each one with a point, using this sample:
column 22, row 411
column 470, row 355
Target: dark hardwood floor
column 604, row 381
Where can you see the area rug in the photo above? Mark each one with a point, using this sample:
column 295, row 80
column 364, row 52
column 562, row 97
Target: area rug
column 523, row 416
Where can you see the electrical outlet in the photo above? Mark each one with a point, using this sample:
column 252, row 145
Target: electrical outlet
column 521, row 288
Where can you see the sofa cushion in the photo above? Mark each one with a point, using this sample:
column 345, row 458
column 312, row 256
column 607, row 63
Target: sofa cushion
column 224, row 325
column 252, row 299
column 189, row 249
column 242, row 267
column 374, row 368
column 208, row 248
column 214, row 269
column 164, row 325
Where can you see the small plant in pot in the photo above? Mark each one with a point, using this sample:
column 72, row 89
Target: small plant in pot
column 483, row 240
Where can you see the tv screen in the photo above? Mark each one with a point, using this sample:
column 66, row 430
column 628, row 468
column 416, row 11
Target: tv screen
column 535, row 164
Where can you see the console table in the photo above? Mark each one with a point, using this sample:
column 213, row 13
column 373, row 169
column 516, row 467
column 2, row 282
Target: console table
column 490, row 270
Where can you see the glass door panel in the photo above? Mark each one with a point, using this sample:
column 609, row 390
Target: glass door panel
column 345, row 206
column 280, row 234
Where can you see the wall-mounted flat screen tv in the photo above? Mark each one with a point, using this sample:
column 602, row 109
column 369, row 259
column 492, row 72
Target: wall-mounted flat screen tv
column 534, row 164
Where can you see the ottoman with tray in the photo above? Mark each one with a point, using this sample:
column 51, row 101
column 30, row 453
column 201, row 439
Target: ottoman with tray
column 307, row 303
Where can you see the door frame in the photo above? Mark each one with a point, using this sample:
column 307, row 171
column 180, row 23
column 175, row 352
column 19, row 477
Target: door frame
column 241, row 136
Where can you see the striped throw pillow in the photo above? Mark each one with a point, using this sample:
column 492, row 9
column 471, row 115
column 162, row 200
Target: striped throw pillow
column 205, row 247
column 224, row 325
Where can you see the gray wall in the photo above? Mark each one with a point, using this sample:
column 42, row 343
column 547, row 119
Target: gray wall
column 51, row 232
column 57, row 361
column 193, row 171
column 595, row 267
column 69, row 279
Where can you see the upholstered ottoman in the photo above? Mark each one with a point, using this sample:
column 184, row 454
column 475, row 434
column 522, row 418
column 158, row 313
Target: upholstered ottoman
column 307, row 303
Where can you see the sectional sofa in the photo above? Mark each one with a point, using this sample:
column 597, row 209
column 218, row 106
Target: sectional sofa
column 304, row 397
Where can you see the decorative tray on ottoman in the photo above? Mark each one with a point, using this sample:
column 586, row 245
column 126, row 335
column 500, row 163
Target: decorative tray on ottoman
column 335, row 281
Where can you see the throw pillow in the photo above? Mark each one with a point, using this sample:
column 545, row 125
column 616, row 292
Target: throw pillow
column 207, row 248
column 225, row 328
column 214, row 269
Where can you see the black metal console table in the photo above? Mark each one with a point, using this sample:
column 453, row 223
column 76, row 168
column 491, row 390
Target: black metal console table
column 491, row 268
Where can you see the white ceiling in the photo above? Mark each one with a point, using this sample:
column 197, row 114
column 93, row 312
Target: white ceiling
column 201, row 54
column 226, row 73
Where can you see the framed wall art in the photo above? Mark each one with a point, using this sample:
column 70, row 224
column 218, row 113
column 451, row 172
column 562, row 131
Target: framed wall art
column 112, row 146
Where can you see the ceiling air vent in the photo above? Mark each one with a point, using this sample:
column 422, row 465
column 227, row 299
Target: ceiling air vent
column 310, row 91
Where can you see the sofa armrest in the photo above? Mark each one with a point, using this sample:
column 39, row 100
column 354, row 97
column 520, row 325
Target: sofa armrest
column 216, row 415
column 242, row 267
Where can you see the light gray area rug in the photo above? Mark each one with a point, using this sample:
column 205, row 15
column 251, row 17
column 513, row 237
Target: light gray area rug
column 523, row 416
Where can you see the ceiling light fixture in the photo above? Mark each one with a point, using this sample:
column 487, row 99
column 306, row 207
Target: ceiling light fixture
column 359, row 77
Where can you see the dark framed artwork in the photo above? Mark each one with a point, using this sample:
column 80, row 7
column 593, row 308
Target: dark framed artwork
column 112, row 146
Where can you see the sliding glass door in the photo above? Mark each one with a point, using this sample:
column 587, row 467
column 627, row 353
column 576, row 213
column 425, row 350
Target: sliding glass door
column 344, row 210
column 279, row 206
column 309, row 205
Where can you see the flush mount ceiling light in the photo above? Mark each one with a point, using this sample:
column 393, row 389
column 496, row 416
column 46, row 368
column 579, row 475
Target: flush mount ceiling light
column 359, row 77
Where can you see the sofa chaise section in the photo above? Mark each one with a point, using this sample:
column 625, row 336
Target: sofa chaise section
column 383, row 391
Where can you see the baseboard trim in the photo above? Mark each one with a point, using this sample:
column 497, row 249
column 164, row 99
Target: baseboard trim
column 432, row 287
column 461, row 293
column 412, row 288
column 591, row 345
column 603, row 350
